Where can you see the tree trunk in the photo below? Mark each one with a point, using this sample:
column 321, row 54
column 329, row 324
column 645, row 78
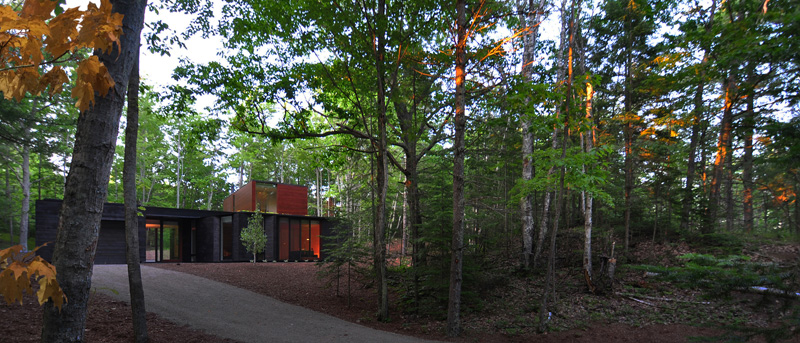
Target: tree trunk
column 179, row 170
column 138, row 311
column 749, row 123
column 529, row 17
column 549, row 288
column 628, row 133
column 25, row 211
column 459, row 150
column 697, row 120
column 723, row 149
column 729, row 209
column 379, row 235
column 10, row 212
column 87, row 185
column 587, row 198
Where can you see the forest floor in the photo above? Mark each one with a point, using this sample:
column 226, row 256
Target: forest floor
column 504, row 308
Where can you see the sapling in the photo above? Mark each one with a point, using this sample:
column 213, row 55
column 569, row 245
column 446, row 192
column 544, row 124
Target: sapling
column 253, row 237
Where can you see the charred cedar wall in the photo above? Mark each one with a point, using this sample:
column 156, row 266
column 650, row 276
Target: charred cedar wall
column 111, row 240
column 239, row 253
column 292, row 199
column 208, row 239
column 271, row 230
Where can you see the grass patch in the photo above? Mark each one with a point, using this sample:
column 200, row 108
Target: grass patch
column 5, row 241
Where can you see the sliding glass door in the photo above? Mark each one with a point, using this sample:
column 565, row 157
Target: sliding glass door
column 162, row 241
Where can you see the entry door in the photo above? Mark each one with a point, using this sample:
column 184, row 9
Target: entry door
column 152, row 246
column 163, row 241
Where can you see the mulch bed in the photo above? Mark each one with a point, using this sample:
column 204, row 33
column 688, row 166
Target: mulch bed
column 109, row 320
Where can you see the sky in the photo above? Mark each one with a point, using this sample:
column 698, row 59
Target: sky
column 157, row 70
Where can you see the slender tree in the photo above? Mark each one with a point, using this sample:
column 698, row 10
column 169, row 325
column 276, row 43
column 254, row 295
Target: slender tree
column 138, row 311
column 459, row 149
column 530, row 17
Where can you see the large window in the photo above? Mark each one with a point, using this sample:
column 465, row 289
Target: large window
column 266, row 197
column 298, row 239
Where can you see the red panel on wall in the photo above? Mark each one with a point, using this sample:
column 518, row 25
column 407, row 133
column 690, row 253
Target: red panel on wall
column 292, row 199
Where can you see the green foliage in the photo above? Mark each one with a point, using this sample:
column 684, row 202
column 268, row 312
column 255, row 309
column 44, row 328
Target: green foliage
column 253, row 237
column 718, row 277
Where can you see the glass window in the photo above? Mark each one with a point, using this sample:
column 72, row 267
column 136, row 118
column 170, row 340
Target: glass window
column 152, row 236
column 266, row 197
column 305, row 239
column 171, row 247
column 315, row 248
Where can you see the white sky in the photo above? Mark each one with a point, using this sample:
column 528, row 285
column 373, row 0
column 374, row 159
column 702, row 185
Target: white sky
column 157, row 70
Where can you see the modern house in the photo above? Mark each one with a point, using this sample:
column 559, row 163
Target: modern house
column 183, row 235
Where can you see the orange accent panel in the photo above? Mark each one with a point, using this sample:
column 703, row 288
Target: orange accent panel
column 292, row 199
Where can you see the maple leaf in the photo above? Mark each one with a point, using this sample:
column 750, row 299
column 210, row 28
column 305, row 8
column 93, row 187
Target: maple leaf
column 55, row 78
column 39, row 9
column 92, row 76
column 63, row 32
column 16, row 271
column 100, row 27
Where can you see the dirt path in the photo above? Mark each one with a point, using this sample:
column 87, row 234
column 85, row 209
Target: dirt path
column 232, row 312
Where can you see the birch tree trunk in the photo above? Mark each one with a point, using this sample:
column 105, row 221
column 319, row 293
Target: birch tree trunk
column 379, row 235
column 459, row 150
column 25, row 184
column 529, row 17
column 587, row 196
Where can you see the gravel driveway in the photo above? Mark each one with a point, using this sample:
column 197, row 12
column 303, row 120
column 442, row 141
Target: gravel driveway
column 231, row 312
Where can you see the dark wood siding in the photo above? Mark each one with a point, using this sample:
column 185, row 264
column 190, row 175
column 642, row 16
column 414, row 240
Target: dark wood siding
column 208, row 239
column 271, row 229
column 111, row 243
column 292, row 199
column 46, row 226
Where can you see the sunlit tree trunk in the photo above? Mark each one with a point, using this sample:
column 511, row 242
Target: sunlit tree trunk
column 723, row 149
column 587, row 196
column 459, row 150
